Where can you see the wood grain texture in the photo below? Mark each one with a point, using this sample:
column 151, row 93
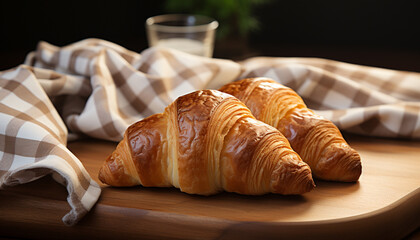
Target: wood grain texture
column 384, row 204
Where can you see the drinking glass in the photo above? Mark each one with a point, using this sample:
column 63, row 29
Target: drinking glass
column 193, row 34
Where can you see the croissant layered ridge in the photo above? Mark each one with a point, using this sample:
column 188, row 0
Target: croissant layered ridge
column 203, row 143
column 317, row 140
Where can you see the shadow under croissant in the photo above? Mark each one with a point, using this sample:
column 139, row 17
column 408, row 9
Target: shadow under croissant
column 341, row 188
column 232, row 204
column 224, row 203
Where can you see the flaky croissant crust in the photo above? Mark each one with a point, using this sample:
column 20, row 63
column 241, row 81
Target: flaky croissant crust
column 317, row 140
column 205, row 142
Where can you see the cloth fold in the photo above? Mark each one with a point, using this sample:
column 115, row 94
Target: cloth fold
column 33, row 141
column 97, row 88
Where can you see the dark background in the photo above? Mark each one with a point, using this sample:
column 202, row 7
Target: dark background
column 376, row 33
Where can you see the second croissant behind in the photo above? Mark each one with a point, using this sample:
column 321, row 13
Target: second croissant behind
column 317, row 140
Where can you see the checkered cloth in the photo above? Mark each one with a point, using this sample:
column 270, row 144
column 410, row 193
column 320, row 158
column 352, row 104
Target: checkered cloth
column 97, row 88
column 359, row 99
column 33, row 139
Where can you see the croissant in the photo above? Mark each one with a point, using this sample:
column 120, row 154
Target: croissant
column 317, row 140
column 203, row 143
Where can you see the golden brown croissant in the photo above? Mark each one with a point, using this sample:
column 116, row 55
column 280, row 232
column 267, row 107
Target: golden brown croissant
column 317, row 140
column 203, row 143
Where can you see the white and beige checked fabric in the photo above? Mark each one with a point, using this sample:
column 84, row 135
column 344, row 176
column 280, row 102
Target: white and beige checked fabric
column 97, row 88
column 359, row 99
column 109, row 87
column 33, row 140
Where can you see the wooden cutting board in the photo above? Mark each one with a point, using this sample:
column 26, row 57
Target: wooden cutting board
column 384, row 204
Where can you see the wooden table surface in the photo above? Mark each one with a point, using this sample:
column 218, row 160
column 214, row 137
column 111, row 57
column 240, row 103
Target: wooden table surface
column 384, row 204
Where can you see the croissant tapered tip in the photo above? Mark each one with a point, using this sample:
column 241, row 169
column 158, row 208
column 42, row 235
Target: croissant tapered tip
column 105, row 174
column 303, row 184
column 304, row 181
column 354, row 170
column 307, row 182
column 113, row 172
column 296, row 180
column 339, row 163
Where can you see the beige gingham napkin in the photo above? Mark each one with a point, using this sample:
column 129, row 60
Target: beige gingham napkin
column 365, row 100
column 33, row 139
column 97, row 88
